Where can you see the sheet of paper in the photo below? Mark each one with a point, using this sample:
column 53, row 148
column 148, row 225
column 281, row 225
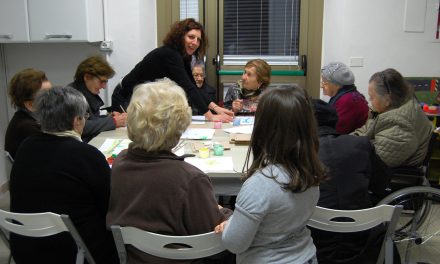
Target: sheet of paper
column 114, row 146
column 121, row 146
column 240, row 129
column 198, row 120
column 246, row 120
column 213, row 164
column 109, row 144
column 198, row 133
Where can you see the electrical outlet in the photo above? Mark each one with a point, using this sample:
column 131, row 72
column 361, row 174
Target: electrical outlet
column 106, row 46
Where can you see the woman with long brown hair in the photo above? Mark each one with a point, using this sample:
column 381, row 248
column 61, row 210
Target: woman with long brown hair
column 280, row 190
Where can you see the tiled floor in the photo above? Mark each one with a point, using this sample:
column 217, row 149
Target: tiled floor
column 428, row 253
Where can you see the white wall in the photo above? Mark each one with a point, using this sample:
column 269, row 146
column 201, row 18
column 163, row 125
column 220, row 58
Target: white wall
column 131, row 25
column 374, row 30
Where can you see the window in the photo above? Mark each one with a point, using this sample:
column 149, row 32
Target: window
column 189, row 9
column 267, row 29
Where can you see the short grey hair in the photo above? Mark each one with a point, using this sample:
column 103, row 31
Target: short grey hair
column 158, row 114
column 57, row 108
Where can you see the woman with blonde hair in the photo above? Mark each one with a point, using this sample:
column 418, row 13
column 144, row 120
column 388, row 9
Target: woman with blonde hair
column 152, row 188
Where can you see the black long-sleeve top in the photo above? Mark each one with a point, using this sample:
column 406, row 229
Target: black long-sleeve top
column 165, row 62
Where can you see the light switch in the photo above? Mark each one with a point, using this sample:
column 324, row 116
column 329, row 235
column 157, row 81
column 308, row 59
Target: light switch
column 356, row 61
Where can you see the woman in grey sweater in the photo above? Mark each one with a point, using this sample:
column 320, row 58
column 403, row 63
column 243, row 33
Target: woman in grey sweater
column 281, row 184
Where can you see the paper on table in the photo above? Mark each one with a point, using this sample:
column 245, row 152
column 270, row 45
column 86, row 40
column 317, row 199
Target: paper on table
column 246, row 120
column 214, row 164
column 198, row 120
column 198, row 133
column 121, row 146
column 113, row 146
column 109, row 144
column 240, row 129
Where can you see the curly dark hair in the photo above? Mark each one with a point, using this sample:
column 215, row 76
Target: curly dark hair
column 175, row 37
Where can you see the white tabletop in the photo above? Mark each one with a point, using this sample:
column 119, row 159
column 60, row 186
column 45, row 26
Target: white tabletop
column 224, row 182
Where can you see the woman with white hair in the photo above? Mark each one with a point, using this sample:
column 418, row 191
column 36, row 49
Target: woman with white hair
column 397, row 127
column 152, row 188
column 56, row 172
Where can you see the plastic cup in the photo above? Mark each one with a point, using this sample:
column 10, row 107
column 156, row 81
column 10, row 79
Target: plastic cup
column 218, row 150
column 204, row 153
column 218, row 125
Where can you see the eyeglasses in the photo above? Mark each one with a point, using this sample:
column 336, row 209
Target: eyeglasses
column 101, row 81
column 198, row 75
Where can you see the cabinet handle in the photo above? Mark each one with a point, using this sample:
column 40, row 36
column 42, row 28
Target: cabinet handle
column 6, row 36
column 51, row 36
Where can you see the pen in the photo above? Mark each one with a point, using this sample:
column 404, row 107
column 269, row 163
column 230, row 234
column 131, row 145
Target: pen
column 122, row 108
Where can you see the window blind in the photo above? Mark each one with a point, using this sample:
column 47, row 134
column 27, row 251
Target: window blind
column 266, row 29
column 189, row 9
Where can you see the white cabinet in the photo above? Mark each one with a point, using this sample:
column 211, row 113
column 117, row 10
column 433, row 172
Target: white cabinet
column 13, row 21
column 51, row 21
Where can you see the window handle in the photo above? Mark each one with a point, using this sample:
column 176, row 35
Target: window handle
column 304, row 64
column 216, row 62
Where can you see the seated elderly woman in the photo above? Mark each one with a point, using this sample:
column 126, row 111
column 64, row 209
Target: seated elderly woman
column 91, row 76
column 152, row 188
column 208, row 92
column 351, row 106
column 243, row 98
column 397, row 127
column 55, row 172
column 22, row 89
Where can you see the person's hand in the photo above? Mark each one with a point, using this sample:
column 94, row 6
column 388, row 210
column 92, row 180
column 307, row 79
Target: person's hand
column 220, row 228
column 120, row 119
column 221, row 110
column 224, row 118
column 237, row 105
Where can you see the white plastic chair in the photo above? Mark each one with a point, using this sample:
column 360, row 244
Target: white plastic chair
column 42, row 225
column 348, row 221
column 190, row 247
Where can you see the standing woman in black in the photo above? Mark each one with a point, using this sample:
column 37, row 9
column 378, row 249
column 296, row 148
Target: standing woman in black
column 173, row 60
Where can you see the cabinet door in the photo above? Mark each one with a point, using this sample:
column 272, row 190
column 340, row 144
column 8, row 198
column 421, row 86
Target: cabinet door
column 13, row 21
column 66, row 20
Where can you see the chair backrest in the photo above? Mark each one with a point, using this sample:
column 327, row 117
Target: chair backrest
column 348, row 221
column 164, row 246
column 42, row 225
column 9, row 163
